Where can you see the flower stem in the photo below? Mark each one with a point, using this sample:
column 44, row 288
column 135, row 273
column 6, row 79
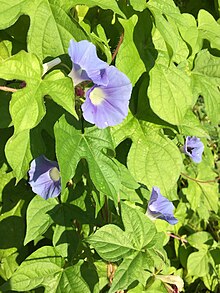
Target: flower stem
column 8, row 89
column 200, row 181
column 177, row 237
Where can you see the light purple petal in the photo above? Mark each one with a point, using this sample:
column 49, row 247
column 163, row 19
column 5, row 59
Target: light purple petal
column 40, row 178
column 160, row 207
column 194, row 148
column 86, row 64
column 115, row 100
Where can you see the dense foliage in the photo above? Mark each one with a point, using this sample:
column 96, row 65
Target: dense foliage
column 98, row 235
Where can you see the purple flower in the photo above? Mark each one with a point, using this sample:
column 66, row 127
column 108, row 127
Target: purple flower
column 194, row 148
column 107, row 100
column 44, row 177
column 86, row 64
column 108, row 105
column 160, row 207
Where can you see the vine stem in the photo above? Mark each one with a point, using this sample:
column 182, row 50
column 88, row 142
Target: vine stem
column 177, row 237
column 200, row 181
column 8, row 89
column 118, row 46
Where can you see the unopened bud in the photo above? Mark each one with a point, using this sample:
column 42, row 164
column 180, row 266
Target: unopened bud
column 47, row 66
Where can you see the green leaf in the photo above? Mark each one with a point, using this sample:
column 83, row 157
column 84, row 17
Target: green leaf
column 5, row 50
column 211, row 280
column 18, row 153
column 72, row 146
column 198, row 263
column 139, row 6
column 38, row 218
column 126, row 178
column 33, row 272
column 210, row 195
column 153, row 159
column 44, row 267
column 138, row 227
column 200, row 240
column 111, row 243
column 190, row 33
column 209, row 28
column 169, row 92
column 101, row 41
column 8, row 266
column 70, row 280
column 106, row 4
column 205, row 82
column 25, row 67
column 166, row 16
column 206, row 192
column 99, row 199
column 128, row 271
column 157, row 286
column 191, row 126
column 50, row 27
column 60, row 88
column 137, row 245
column 128, row 59
column 11, row 12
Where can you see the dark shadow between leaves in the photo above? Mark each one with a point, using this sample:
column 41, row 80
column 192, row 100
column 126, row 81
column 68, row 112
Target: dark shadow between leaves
column 17, row 34
column 12, row 194
column 12, row 231
column 66, row 214
column 89, row 274
column 5, row 134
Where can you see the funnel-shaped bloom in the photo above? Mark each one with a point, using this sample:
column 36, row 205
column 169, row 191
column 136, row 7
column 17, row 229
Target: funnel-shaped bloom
column 194, row 148
column 160, row 207
column 86, row 64
column 107, row 100
column 44, row 177
column 108, row 105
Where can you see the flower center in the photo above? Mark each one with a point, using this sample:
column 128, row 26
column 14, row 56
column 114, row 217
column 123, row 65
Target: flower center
column 54, row 174
column 97, row 96
column 189, row 149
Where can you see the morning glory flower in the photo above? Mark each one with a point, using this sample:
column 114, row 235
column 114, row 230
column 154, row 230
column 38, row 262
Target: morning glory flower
column 108, row 105
column 44, row 177
column 108, row 98
column 160, row 207
column 194, row 148
column 86, row 64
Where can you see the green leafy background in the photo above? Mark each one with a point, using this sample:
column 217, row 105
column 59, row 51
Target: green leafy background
column 96, row 237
